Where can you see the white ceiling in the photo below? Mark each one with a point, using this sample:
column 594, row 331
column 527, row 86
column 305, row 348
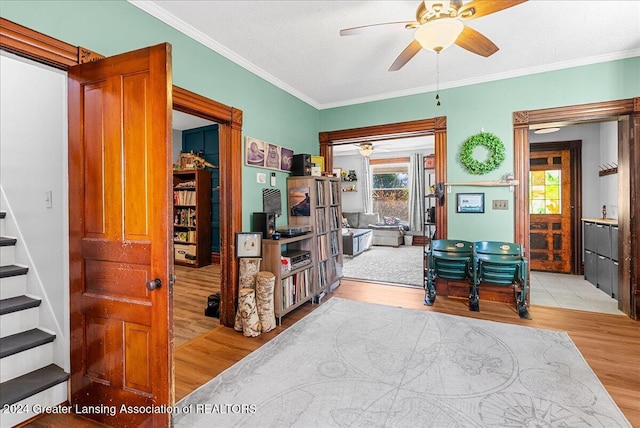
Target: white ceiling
column 296, row 44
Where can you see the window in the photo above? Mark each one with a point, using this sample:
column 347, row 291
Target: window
column 544, row 192
column 390, row 190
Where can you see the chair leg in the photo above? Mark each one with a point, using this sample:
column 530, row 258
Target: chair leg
column 521, row 303
column 474, row 299
column 430, row 290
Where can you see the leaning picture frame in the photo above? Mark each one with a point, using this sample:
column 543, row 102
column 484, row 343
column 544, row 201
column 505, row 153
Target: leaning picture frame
column 470, row 203
column 248, row 244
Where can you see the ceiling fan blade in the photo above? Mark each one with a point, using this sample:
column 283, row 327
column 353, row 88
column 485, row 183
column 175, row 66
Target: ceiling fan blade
column 477, row 8
column 475, row 42
column 376, row 27
column 409, row 52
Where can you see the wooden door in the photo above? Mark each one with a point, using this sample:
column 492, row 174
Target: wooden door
column 119, row 210
column 550, row 211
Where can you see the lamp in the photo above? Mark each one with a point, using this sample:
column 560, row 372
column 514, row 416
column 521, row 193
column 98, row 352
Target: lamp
column 365, row 149
column 439, row 34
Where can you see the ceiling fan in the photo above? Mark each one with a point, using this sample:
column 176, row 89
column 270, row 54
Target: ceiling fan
column 439, row 24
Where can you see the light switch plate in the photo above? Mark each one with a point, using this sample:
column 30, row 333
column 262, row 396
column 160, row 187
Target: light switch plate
column 261, row 178
column 500, row 204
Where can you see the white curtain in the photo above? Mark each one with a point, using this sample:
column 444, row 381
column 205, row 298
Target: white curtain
column 367, row 185
column 416, row 193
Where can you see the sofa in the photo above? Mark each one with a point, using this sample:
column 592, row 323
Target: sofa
column 387, row 231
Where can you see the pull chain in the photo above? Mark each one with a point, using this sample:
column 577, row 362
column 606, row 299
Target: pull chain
column 438, row 78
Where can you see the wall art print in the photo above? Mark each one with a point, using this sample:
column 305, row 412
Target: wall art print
column 262, row 154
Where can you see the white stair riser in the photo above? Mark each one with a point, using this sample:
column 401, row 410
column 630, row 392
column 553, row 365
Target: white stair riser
column 26, row 361
column 54, row 396
column 19, row 321
column 13, row 286
column 7, row 255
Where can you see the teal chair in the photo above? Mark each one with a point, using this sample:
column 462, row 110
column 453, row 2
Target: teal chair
column 500, row 263
column 448, row 259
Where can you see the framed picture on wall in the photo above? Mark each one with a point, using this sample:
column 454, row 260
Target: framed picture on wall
column 248, row 244
column 470, row 202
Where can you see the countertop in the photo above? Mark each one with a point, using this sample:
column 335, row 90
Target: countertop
column 609, row 221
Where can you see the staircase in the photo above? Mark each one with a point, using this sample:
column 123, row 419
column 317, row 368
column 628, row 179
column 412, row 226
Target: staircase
column 28, row 378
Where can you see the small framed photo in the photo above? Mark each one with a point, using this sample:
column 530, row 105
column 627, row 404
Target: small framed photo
column 248, row 244
column 470, row 203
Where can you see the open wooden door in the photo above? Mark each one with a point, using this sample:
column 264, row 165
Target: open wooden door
column 120, row 274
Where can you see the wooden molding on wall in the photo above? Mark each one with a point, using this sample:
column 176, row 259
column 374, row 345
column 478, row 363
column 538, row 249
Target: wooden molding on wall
column 627, row 112
column 47, row 50
column 436, row 126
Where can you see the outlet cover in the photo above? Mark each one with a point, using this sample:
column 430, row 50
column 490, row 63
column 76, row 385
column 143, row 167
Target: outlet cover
column 500, row 204
column 261, row 178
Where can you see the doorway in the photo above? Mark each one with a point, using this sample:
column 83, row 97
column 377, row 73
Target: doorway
column 626, row 114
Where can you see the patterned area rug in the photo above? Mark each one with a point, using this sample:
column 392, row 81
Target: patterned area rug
column 354, row 364
column 402, row 265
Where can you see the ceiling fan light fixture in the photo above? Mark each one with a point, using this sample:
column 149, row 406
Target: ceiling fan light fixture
column 439, row 34
column 365, row 149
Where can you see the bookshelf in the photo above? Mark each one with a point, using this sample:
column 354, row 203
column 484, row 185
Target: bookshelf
column 294, row 284
column 315, row 201
column 192, row 217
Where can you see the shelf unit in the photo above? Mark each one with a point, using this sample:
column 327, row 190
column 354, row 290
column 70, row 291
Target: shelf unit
column 430, row 200
column 319, row 197
column 192, row 217
column 295, row 286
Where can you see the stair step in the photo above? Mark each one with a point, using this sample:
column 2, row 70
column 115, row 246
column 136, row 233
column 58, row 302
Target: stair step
column 12, row 270
column 7, row 242
column 18, row 303
column 29, row 384
column 22, row 341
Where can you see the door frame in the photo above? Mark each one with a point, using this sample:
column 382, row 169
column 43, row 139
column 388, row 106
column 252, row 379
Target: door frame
column 627, row 113
column 436, row 126
column 575, row 153
column 47, row 50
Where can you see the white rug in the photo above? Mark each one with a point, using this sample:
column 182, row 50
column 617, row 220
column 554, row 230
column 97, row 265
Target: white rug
column 353, row 364
column 402, row 265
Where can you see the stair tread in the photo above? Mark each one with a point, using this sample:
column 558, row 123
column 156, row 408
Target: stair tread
column 30, row 384
column 7, row 242
column 19, row 303
column 12, row 270
column 22, row 341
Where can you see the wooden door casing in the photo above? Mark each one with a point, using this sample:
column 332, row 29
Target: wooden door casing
column 551, row 234
column 120, row 230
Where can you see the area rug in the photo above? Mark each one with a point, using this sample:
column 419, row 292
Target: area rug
column 402, row 265
column 354, row 364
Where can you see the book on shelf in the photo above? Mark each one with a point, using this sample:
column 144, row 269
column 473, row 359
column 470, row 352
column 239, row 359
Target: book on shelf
column 184, row 197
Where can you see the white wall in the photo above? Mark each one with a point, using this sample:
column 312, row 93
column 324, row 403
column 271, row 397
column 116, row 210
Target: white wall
column 33, row 160
column 609, row 155
column 599, row 145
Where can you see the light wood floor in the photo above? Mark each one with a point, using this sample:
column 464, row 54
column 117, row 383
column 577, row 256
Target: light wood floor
column 193, row 286
column 609, row 343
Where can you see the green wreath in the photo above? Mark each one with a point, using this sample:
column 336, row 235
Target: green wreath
column 492, row 143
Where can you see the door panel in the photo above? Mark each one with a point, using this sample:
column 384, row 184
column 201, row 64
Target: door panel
column 119, row 169
column 550, row 211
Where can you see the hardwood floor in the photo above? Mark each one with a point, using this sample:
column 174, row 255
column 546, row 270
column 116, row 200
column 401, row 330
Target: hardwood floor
column 193, row 286
column 609, row 343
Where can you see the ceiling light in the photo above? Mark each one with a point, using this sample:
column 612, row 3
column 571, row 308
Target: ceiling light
column 546, row 130
column 439, row 34
column 366, row 149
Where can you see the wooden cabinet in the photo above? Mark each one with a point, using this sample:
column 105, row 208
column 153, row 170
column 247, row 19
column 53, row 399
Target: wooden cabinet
column 315, row 201
column 295, row 279
column 192, row 217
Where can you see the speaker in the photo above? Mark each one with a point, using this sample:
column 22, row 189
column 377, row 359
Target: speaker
column 301, row 165
column 265, row 223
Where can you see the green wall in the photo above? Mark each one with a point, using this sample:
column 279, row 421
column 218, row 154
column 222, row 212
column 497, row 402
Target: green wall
column 114, row 26
column 490, row 106
column 270, row 114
